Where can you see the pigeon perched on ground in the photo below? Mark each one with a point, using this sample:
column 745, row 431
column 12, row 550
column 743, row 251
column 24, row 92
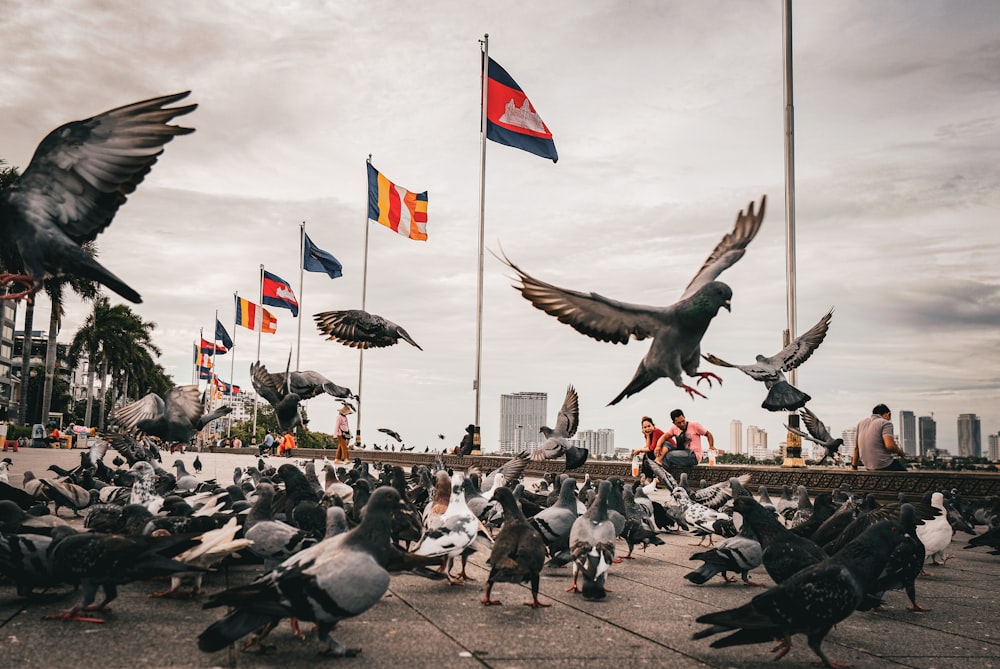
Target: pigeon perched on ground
column 819, row 434
column 175, row 417
column 812, row 601
column 676, row 330
column 340, row 577
column 936, row 534
column 741, row 554
column 781, row 395
column 518, row 552
column 905, row 563
column 360, row 329
column 783, row 553
column 592, row 545
column 81, row 173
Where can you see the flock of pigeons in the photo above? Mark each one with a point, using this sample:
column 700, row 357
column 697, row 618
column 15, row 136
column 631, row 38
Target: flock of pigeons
column 328, row 538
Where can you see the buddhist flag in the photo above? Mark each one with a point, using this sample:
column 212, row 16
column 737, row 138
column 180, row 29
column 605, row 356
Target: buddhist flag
column 396, row 208
column 269, row 323
column 511, row 119
column 254, row 317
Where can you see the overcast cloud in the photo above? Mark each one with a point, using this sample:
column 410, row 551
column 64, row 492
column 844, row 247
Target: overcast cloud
column 668, row 119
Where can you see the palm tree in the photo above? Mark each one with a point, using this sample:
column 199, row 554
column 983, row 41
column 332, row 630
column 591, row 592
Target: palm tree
column 85, row 288
column 117, row 339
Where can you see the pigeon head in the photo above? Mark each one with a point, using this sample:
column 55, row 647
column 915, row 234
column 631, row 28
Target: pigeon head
column 714, row 295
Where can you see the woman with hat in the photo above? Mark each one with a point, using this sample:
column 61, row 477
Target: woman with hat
column 343, row 431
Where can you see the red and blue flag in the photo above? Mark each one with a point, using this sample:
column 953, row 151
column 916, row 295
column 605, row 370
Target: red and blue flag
column 511, row 119
column 278, row 293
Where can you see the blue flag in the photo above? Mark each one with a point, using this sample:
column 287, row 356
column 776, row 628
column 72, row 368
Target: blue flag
column 315, row 259
column 222, row 335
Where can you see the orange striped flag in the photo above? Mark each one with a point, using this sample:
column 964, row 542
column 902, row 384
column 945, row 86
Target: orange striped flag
column 254, row 317
column 396, row 208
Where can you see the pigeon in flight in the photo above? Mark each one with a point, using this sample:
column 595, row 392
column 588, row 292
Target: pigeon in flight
column 556, row 442
column 391, row 433
column 275, row 389
column 175, row 417
column 819, row 434
column 676, row 330
column 360, row 329
column 81, row 173
column 782, row 396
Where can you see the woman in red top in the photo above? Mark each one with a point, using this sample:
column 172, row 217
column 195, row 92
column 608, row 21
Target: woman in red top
column 655, row 439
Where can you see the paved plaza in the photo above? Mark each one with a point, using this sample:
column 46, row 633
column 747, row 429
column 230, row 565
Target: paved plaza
column 647, row 619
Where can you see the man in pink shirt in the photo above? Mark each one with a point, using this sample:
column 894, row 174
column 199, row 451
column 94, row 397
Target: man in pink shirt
column 688, row 436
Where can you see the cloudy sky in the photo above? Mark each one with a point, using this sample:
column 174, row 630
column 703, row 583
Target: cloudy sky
column 667, row 116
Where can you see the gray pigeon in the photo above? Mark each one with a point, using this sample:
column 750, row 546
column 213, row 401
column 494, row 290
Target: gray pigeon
column 819, row 434
column 676, row 330
column 81, row 173
column 556, row 444
column 592, row 545
column 276, row 390
column 340, row 577
column 360, row 329
column 555, row 522
column 175, row 417
column 781, row 395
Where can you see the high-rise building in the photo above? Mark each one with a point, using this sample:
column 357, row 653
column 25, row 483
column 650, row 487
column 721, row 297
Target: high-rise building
column 850, row 437
column 757, row 443
column 994, row 447
column 908, row 432
column 927, row 429
column 8, row 310
column 521, row 417
column 598, row 442
column 970, row 438
column 735, row 436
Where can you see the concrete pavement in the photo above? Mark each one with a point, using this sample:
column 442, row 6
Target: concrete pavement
column 647, row 620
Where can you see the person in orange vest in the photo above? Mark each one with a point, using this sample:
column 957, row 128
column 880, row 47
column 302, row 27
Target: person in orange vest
column 287, row 445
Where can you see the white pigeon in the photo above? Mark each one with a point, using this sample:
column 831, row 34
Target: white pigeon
column 935, row 534
column 451, row 533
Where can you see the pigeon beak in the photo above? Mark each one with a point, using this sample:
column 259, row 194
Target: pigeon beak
column 726, row 305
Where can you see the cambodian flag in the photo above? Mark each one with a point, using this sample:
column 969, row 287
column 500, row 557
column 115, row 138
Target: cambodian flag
column 278, row 293
column 511, row 119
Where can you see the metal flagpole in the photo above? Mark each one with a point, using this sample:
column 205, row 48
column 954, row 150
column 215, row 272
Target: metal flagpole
column 793, row 448
column 302, row 256
column 258, row 323
column 477, row 383
column 232, row 366
column 364, row 296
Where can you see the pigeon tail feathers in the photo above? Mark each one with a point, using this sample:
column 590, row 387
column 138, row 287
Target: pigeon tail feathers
column 783, row 396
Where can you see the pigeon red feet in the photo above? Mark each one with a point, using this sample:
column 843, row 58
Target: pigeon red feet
column 691, row 391
column 917, row 608
column 73, row 615
column 31, row 286
column 535, row 604
column 707, row 377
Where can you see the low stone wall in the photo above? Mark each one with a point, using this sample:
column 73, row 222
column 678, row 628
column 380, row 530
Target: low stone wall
column 884, row 485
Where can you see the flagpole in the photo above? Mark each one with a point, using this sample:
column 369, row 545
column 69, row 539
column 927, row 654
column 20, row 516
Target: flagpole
column 198, row 358
column 232, row 366
column 260, row 328
column 364, row 296
column 194, row 366
column 302, row 255
column 477, row 384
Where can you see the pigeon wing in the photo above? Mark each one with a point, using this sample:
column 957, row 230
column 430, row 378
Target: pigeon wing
column 569, row 414
column 815, row 426
column 355, row 328
column 730, row 249
column 591, row 314
column 148, row 408
column 82, row 171
column 799, row 350
column 183, row 405
column 269, row 386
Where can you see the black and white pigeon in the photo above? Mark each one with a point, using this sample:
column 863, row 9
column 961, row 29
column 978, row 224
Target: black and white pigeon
column 340, row 577
column 592, row 546
column 812, row 601
column 81, row 173
column 360, row 329
column 818, row 433
column 676, row 330
column 174, row 418
column 518, row 553
column 781, row 395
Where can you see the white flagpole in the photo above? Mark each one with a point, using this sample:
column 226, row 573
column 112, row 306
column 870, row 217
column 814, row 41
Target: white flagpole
column 477, row 384
column 364, row 295
column 302, row 256
column 232, row 364
column 258, row 323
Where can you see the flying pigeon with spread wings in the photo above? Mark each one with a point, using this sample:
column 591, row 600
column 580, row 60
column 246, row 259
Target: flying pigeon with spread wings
column 81, row 173
column 175, row 417
column 676, row 330
column 781, row 395
column 360, row 329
